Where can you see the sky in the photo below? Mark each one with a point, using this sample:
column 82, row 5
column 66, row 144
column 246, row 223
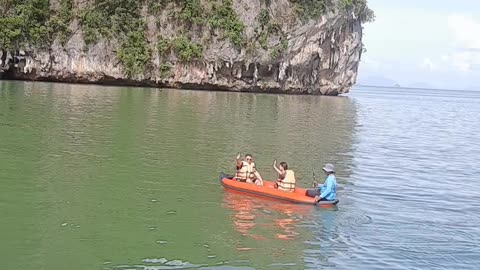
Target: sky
column 423, row 43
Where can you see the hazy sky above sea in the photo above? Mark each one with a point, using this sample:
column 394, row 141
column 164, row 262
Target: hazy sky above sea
column 429, row 42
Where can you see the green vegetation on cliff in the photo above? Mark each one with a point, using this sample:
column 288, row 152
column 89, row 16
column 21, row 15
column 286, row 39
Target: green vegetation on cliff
column 163, row 46
column 31, row 23
column 122, row 20
column 134, row 52
column 360, row 8
column 216, row 14
column 119, row 19
column 192, row 11
column 61, row 20
column 225, row 18
column 185, row 49
column 312, row 9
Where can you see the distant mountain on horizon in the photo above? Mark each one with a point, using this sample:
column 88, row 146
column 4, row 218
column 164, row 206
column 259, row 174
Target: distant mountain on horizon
column 377, row 81
column 381, row 81
column 422, row 85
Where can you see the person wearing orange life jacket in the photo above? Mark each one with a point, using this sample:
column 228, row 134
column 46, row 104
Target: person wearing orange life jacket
column 286, row 178
column 246, row 171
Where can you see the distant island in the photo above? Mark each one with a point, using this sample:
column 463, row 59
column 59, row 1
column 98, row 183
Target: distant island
column 417, row 88
column 381, row 81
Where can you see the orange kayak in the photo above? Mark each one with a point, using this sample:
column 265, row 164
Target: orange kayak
column 268, row 190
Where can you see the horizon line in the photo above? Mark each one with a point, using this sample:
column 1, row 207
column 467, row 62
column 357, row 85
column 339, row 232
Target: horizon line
column 415, row 88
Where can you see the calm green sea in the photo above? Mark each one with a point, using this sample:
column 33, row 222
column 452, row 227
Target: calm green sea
column 118, row 178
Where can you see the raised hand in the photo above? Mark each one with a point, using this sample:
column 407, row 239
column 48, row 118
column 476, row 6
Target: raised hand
column 238, row 156
column 275, row 163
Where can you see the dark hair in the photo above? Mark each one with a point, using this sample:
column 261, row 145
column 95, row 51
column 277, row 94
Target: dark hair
column 284, row 165
column 249, row 155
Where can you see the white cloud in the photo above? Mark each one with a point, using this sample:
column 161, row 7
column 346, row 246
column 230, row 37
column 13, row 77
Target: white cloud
column 437, row 43
column 464, row 56
column 465, row 30
column 428, row 64
column 459, row 61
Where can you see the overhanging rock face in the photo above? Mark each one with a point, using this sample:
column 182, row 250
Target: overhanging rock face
column 280, row 53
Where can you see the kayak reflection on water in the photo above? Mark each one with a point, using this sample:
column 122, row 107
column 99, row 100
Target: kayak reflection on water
column 250, row 217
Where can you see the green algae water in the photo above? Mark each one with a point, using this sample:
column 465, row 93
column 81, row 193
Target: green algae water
column 95, row 177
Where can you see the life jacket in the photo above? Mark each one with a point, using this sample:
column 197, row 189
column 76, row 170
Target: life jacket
column 245, row 172
column 288, row 182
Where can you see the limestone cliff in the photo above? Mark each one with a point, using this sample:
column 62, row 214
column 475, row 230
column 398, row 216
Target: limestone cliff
column 288, row 46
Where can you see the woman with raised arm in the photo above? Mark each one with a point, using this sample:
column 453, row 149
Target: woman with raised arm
column 286, row 178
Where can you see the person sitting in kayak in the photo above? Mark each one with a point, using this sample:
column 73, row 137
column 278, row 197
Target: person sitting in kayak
column 247, row 172
column 327, row 190
column 286, row 178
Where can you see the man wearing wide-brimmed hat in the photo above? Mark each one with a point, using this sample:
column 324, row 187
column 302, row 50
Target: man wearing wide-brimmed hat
column 327, row 190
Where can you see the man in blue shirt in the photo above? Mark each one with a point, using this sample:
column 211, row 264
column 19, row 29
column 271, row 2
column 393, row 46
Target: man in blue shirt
column 327, row 190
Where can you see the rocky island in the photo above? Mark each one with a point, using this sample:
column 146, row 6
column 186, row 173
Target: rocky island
column 274, row 46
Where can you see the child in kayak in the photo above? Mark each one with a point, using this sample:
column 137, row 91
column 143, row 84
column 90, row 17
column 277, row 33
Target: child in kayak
column 327, row 190
column 286, row 178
